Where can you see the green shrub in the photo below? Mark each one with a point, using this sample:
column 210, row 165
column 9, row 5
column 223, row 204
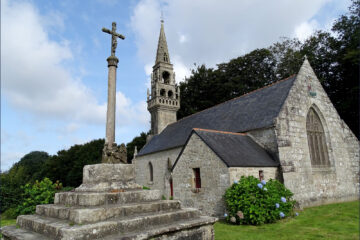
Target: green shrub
column 10, row 213
column 250, row 201
column 146, row 188
column 38, row 193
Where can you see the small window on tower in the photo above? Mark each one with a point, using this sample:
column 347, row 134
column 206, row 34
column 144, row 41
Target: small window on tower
column 196, row 176
column 170, row 94
column 165, row 57
column 162, row 92
column 166, row 77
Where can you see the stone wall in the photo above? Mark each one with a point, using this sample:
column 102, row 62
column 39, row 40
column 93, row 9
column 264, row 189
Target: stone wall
column 314, row 185
column 266, row 138
column 236, row 172
column 214, row 178
column 161, row 174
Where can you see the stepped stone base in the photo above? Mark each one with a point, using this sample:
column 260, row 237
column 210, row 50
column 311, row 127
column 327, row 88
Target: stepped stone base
column 106, row 177
column 109, row 205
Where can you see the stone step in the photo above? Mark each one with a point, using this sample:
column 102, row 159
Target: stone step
column 65, row 229
column 16, row 233
column 102, row 198
column 80, row 215
column 198, row 228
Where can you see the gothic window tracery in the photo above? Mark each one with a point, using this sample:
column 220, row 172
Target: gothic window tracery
column 316, row 140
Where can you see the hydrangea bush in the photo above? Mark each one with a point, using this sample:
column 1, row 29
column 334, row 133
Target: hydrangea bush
column 249, row 201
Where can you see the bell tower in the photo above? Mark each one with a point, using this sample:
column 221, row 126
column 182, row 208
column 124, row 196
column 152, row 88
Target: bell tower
column 164, row 99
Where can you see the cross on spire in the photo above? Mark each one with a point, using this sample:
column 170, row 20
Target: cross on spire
column 162, row 17
column 114, row 36
column 162, row 54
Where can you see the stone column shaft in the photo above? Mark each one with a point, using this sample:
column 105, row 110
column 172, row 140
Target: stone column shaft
column 111, row 106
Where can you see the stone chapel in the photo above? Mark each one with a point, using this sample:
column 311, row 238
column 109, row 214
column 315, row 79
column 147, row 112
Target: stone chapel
column 288, row 130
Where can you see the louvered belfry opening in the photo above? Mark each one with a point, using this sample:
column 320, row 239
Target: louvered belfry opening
column 316, row 140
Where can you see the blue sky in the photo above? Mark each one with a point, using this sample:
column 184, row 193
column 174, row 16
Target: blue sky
column 53, row 58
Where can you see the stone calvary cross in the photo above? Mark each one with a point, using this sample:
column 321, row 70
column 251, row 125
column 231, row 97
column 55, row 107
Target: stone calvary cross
column 114, row 36
column 111, row 152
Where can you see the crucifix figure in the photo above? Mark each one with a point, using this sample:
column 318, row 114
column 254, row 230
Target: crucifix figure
column 114, row 36
column 112, row 153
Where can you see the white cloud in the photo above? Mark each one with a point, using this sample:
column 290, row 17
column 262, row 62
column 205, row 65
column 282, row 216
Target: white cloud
column 9, row 158
column 33, row 75
column 128, row 113
column 305, row 29
column 212, row 32
column 182, row 38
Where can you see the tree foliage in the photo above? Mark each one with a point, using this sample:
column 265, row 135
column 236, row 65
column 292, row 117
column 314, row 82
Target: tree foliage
column 334, row 56
column 67, row 165
column 139, row 142
column 42, row 192
column 28, row 169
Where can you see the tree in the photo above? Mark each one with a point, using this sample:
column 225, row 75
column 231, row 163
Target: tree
column 25, row 171
column 139, row 142
column 67, row 165
column 207, row 87
column 334, row 56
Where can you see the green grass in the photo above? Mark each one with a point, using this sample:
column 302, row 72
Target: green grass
column 6, row 222
column 333, row 221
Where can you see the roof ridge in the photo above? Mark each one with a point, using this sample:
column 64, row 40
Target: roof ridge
column 216, row 131
column 274, row 83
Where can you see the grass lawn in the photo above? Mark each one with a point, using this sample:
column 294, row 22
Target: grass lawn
column 6, row 222
column 333, row 221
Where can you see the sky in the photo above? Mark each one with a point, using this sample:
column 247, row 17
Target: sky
column 54, row 69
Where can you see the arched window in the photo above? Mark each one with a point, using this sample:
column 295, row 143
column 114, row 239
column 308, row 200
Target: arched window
column 316, row 140
column 166, row 77
column 151, row 172
column 162, row 92
column 170, row 94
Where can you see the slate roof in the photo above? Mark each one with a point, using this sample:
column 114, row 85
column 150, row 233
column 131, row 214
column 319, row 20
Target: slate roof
column 234, row 149
column 254, row 110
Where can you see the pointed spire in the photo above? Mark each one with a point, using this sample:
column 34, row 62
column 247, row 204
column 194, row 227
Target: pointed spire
column 162, row 54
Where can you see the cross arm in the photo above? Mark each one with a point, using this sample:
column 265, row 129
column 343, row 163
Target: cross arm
column 113, row 33
column 106, row 30
column 119, row 36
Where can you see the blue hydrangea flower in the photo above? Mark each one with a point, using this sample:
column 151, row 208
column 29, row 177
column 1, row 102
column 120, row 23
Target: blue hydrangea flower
column 277, row 205
column 283, row 199
column 225, row 215
column 296, row 214
column 282, row 214
column 236, row 182
column 265, row 189
column 263, row 182
column 260, row 185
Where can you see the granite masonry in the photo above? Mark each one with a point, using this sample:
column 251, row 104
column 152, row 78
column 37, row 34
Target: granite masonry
column 299, row 139
column 109, row 205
